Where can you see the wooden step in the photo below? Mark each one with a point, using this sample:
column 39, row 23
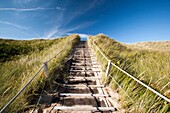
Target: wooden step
column 85, row 66
column 84, row 71
column 82, row 95
column 84, row 108
column 84, row 48
column 92, row 86
column 83, row 62
column 84, row 56
column 84, row 77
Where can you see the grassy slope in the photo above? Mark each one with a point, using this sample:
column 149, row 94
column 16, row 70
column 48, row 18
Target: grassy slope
column 158, row 46
column 11, row 49
column 16, row 73
column 151, row 67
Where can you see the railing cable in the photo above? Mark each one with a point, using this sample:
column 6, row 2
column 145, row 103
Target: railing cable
column 43, row 66
column 131, row 76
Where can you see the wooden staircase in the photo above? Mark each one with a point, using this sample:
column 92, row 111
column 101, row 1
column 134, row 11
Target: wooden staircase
column 84, row 93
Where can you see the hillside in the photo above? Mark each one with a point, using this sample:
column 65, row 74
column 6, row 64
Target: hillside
column 20, row 60
column 151, row 67
column 158, row 46
column 11, row 49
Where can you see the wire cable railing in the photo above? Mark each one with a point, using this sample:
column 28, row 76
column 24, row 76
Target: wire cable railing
column 45, row 67
column 110, row 63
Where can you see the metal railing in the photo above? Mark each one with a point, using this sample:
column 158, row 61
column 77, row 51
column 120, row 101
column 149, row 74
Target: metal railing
column 131, row 76
column 45, row 67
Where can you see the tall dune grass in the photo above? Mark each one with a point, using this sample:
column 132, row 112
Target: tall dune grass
column 12, row 49
column 16, row 73
column 156, row 46
column 151, row 67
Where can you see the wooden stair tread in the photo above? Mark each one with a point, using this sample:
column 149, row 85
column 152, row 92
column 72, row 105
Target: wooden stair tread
column 94, row 86
column 84, row 95
column 84, row 108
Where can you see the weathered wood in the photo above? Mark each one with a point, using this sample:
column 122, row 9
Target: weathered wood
column 84, row 108
column 78, row 66
column 84, row 77
column 108, row 67
column 82, row 95
column 84, row 56
column 82, row 63
column 46, row 69
column 84, row 71
column 92, row 86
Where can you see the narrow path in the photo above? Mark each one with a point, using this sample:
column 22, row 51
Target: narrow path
column 83, row 92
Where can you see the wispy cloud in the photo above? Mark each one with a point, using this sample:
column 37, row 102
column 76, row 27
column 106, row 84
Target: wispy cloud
column 29, row 9
column 22, row 28
column 58, row 32
column 23, row 1
column 52, row 32
column 60, row 8
column 81, row 11
column 14, row 25
column 63, row 21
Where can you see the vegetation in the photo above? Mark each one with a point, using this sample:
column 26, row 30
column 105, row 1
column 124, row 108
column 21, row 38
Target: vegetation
column 156, row 46
column 11, row 49
column 151, row 67
column 16, row 73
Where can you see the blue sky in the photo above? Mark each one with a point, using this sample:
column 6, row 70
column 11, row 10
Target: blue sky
column 124, row 20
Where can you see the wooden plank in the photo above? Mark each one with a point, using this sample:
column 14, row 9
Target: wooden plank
column 84, row 71
column 92, row 86
column 82, row 60
column 84, row 56
column 84, row 63
column 84, row 48
column 84, row 108
column 84, row 77
column 84, row 66
column 82, row 95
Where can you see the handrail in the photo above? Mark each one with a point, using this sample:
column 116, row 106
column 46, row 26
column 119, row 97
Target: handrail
column 31, row 79
column 21, row 90
column 131, row 76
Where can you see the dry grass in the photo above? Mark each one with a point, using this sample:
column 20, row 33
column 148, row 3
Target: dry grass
column 151, row 67
column 158, row 46
column 16, row 73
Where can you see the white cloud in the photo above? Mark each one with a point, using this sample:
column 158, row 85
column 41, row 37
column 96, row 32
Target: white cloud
column 64, row 18
column 23, row 28
column 58, row 32
column 24, row 9
column 76, row 13
column 23, row 1
column 30, row 9
column 60, row 8
column 83, row 35
column 52, row 32
column 14, row 25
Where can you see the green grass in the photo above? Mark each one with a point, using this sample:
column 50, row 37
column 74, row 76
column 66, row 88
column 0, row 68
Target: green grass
column 151, row 67
column 16, row 73
column 11, row 49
